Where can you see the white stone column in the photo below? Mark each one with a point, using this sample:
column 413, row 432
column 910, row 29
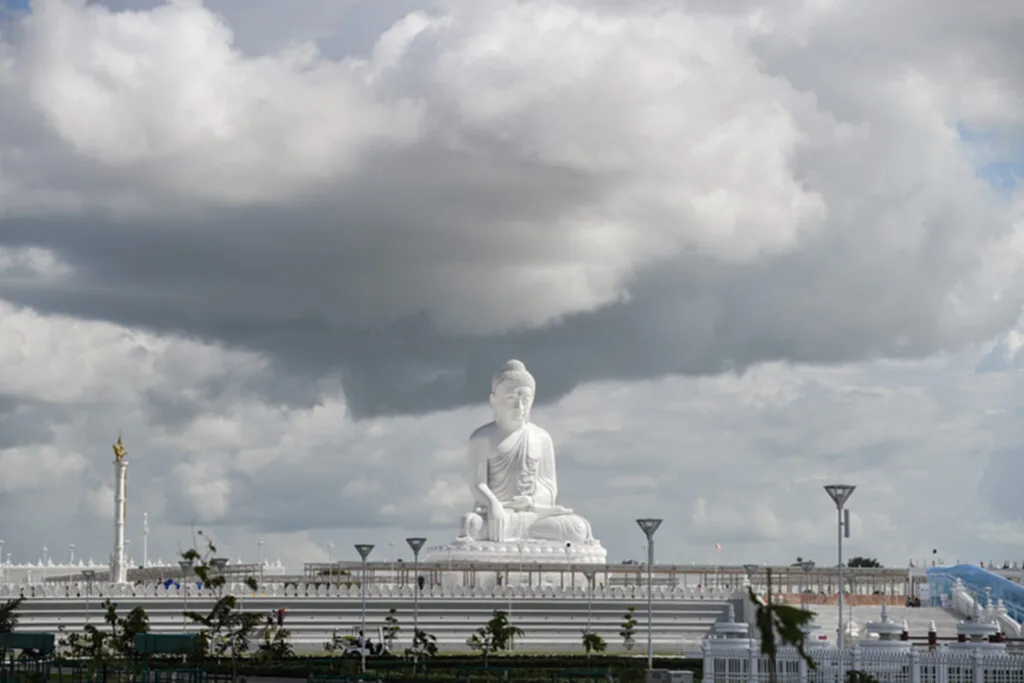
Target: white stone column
column 118, row 570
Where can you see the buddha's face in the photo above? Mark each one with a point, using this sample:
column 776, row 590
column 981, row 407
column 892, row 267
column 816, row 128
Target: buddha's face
column 512, row 402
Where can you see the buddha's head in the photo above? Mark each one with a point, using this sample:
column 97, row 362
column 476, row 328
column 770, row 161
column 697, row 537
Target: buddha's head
column 512, row 390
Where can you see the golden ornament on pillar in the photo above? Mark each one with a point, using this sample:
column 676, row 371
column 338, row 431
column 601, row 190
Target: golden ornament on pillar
column 119, row 451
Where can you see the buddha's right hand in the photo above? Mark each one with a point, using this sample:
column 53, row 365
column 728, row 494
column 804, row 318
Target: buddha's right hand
column 497, row 519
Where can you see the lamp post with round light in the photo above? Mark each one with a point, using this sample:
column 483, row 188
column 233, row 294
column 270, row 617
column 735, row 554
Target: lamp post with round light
column 649, row 526
column 415, row 544
column 840, row 493
column 364, row 550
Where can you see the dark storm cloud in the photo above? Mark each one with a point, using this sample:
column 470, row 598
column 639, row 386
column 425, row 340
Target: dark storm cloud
column 399, row 275
column 695, row 317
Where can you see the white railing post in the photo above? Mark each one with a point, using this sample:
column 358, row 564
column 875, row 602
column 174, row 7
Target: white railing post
column 753, row 661
column 915, row 666
column 942, row 667
column 979, row 666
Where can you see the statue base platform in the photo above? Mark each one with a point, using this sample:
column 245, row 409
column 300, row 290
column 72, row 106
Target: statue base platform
column 532, row 552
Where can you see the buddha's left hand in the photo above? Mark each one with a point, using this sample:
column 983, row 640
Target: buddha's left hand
column 522, row 503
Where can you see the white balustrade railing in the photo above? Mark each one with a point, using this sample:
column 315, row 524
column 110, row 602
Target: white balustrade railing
column 729, row 663
column 963, row 603
column 320, row 590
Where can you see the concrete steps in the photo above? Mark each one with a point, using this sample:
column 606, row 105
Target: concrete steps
column 550, row 624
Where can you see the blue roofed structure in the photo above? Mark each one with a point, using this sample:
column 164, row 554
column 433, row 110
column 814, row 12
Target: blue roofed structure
column 978, row 581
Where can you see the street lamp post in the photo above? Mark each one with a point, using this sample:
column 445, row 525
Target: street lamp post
column 44, row 564
column 416, row 544
column 649, row 526
column 840, row 493
column 219, row 563
column 88, row 575
column 568, row 562
column 364, row 550
column 3, row 565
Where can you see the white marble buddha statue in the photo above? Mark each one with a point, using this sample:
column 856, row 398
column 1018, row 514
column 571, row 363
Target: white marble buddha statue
column 512, row 472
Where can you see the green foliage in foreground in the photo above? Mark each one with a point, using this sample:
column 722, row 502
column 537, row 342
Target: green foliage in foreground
column 452, row 667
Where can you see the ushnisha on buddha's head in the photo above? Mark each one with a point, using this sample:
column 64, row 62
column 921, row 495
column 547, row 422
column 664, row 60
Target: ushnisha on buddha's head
column 512, row 390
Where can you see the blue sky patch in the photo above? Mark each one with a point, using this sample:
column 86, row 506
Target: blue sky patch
column 999, row 155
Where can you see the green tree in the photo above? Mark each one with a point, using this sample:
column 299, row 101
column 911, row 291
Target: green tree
column 592, row 642
column 497, row 635
column 780, row 625
column 9, row 619
column 628, row 629
column 115, row 642
column 121, row 638
column 391, row 628
column 276, row 645
column 9, row 614
column 424, row 648
column 89, row 646
column 863, row 562
column 225, row 630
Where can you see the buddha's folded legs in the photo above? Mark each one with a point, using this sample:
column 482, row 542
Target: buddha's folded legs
column 568, row 528
column 527, row 525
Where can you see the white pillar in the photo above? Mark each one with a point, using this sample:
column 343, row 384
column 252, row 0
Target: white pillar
column 145, row 539
column 118, row 570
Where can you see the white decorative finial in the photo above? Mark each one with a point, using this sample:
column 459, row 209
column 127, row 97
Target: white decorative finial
column 931, row 627
column 885, row 612
column 732, row 614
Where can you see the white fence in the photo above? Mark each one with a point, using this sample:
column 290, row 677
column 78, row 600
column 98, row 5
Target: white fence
column 322, row 590
column 731, row 664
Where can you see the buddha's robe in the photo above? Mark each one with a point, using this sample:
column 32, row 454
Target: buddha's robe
column 506, row 468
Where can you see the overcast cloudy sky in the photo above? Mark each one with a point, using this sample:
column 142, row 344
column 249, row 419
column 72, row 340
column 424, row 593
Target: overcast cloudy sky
column 747, row 247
